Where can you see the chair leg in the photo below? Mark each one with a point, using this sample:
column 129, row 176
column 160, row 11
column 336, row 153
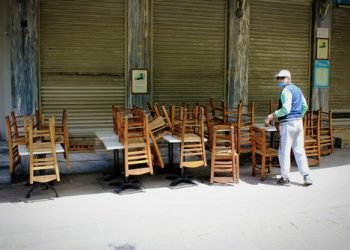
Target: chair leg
column 254, row 164
column 262, row 171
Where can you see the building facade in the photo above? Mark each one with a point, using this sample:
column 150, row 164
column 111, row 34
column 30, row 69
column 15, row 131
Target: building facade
column 79, row 54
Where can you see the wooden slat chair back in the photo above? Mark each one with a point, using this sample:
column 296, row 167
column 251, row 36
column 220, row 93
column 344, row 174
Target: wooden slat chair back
column 312, row 137
column 261, row 152
column 216, row 109
column 61, row 131
column 159, row 127
column 49, row 162
column 176, row 116
column 135, row 137
column 244, row 127
column 13, row 142
column 230, row 114
column 210, row 122
column 20, row 125
column 224, row 159
column 326, row 128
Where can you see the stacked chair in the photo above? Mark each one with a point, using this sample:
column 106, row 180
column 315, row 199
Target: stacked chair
column 262, row 153
column 133, row 132
column 61, row 131
column 43, row 160
column 159, row 127
column 312, row 137
column 224, row 159
column 189, row 128
column 243, row 119
column 16, row 132
column 326, row 127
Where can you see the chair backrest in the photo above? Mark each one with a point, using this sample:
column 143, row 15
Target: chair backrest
column 246, row 114
column 61, row 130
column 216, row 109
column 223, row 146
column 259, row 140
column 13, row 142
column 40, row 167
column 20, row 125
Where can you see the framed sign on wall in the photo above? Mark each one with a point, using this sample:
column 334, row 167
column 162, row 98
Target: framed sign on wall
column 322, row 48
column 139, row 81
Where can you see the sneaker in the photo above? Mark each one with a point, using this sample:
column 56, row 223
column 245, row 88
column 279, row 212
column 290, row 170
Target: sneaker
column 307, row 180
column 282, row 181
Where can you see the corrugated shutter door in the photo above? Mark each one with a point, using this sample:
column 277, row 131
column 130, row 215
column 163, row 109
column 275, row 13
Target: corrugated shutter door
column 189, row 47
column 339, row 92
column 279, row 38
column 82, row 60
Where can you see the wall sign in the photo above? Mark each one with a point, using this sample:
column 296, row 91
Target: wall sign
column 321, row 74
column 139, row 81
column 322, row 48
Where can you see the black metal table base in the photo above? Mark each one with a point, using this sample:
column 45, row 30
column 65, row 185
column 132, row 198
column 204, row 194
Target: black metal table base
column 128, row 184
column 45, row 186
column 181, row 179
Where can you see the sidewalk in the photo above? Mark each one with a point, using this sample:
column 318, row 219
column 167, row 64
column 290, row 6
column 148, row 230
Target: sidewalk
column 250, row 215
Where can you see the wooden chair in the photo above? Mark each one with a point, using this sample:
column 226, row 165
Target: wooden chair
column 217, row 110
column 312, row 137
column 20, row 124
column 243, row 119
column 134, row 134
column 192, row 149
column 61, row 131
column 224, row 159
column 159, row 127
column 261, row 152
column 326, row 128
column 210, row 122
column 43, row 169
column 17, row 135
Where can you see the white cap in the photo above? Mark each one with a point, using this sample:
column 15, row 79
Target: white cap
column 284, row 73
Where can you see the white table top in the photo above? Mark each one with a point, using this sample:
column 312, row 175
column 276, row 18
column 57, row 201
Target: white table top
column 111, row 143
column 110, row 140
column 268, row 129
column 23, row 150
column 172, row 139
column 106, row 134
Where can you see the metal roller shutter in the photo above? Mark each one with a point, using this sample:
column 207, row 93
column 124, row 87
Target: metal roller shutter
column 82, row 60
column 339, row 92
column 279, row 38
column 189, row 50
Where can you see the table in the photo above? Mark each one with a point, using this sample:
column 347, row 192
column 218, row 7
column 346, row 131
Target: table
column 111, row 142
column 271, row 129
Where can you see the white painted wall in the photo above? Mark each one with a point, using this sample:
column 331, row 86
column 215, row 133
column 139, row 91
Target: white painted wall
column 5, row 66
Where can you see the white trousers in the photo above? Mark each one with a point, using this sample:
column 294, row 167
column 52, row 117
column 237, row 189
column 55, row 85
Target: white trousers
column 292, row 137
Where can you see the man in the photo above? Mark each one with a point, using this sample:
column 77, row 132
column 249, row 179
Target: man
column 291, row 109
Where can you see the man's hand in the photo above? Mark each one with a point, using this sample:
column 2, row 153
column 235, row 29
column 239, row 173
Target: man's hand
column 268, row 119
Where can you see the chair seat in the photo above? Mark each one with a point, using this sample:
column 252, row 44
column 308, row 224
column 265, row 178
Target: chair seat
column 269, row 152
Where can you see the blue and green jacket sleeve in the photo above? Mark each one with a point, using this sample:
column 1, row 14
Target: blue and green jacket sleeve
column 292, row 104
